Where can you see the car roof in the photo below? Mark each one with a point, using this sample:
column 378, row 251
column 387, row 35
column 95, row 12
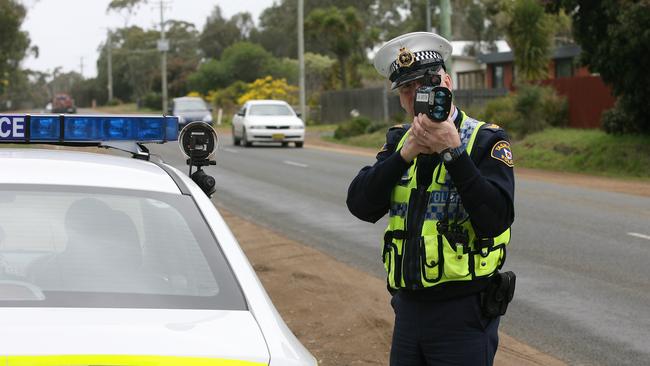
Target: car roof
column 188, row 98
column 267, row 101
column 74, row 168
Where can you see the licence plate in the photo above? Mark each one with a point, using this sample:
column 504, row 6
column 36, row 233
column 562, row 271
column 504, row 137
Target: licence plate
column 277, row 136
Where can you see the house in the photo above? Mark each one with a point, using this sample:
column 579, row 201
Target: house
column 500, row 67
column 587, row 94
column 466, row 70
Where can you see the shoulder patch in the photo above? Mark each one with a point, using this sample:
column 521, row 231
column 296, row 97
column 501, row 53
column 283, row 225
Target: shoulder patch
column 501, row 151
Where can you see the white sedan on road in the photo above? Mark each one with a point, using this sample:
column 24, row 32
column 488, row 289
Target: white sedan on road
column 267, row 121
column 109, row 260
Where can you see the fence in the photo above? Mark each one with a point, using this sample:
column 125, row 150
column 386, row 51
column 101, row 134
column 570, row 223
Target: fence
column 379, row 104
column 588, row 98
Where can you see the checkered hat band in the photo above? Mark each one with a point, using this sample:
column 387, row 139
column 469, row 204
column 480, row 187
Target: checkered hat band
column 419, row 57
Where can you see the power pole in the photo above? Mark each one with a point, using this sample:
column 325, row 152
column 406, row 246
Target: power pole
column 163, row 46
column 428, row 16
column 110, row 68
column 301, row 57
column 445, row 28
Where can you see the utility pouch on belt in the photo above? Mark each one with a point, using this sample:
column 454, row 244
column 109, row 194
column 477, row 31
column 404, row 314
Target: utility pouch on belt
column 498, row 294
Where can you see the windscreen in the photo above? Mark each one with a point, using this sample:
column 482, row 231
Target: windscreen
column 88, row 247
column 270, row 110
column 190, row 105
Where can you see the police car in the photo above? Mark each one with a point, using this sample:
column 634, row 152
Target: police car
column 109, row 260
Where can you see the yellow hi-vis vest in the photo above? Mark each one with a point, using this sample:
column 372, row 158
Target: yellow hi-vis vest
column 436, row 260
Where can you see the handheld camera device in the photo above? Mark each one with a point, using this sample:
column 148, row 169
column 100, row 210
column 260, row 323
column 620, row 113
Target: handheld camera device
column 198, row 142
column 432, row 99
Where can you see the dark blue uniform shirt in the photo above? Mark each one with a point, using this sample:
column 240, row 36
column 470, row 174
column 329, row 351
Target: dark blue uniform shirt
column 485, row 184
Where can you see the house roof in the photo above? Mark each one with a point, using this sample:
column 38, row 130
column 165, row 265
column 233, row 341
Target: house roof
column 502, row 57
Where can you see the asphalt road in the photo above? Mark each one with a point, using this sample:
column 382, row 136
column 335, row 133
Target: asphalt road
column 582, row 257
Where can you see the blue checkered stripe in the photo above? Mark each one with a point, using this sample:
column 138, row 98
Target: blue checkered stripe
column 466, row 131
column 429, row 56
column 437, row 202
column 397, row 209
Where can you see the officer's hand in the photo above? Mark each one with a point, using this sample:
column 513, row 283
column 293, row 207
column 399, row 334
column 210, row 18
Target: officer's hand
column 413, row 146
column 436, row 136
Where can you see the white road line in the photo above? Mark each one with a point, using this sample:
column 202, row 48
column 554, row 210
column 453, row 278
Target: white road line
column 230, row 150
column 647, row 237
column 295, row 164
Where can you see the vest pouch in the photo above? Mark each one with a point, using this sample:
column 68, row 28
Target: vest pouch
column 485, row 265
column 431, row 258
column 392, row 260
column 456, row 263
column 489, row 255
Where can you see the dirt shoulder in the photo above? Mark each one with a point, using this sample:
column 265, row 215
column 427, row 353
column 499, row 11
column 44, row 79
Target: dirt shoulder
column 342, row 315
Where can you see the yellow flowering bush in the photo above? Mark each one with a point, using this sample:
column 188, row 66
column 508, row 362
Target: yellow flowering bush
column 269, row 88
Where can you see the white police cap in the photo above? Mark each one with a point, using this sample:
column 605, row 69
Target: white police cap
column 406, row 58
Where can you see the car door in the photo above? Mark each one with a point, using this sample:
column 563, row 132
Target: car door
column 238, row 121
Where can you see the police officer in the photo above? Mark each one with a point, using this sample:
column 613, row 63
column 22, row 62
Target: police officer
column 448, row 189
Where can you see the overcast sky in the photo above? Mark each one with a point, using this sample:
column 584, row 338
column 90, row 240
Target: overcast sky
column 69, row 31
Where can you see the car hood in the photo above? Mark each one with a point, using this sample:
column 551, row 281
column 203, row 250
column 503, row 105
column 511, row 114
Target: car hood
column 273, row 120
column 190, row 116
column 130, row 337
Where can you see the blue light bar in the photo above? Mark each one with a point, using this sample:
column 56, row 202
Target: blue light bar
column 87, row 129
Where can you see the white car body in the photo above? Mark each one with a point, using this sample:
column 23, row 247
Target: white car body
column 120, row 335
column 249, row 126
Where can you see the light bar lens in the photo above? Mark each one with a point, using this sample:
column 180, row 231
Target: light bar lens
column 97, row 128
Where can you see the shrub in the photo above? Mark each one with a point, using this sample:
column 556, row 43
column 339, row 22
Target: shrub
column 617, row 121
column 152, row 100
column 113, row 102
column 532, row 108
column 502, row 112
column 353, row 127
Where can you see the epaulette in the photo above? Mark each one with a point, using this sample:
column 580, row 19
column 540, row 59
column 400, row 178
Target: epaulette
column 492, row 127
column 403, row 126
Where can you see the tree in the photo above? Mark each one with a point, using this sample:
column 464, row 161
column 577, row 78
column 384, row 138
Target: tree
column 530, row 32
column 243, row 61
column 339, row 30
column 183, row 56
column 277, row 30
column 14, row 43
column 219, row 33
column 616, row 44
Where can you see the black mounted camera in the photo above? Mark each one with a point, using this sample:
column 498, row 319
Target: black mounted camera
column 432, row 99
column 198, row 141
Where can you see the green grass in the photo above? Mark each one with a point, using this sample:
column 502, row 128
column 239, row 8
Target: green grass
column 373, row 140
column 585, row 151
column 127, row 108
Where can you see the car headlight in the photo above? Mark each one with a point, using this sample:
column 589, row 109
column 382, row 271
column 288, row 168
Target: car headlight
column 256, row 127
column 207, row 118
column 298, row 127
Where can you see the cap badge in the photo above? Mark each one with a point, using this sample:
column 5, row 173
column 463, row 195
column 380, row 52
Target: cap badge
column 405, row 57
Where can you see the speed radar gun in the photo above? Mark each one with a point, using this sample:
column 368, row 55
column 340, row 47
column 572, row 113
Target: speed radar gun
column 198, row 141
column 432, row 99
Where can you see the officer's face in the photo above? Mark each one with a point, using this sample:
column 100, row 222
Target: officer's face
column 407, row 91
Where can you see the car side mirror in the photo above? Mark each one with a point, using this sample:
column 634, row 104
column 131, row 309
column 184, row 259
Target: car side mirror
column 210, row 109
column 240, row 114
column 298, row 114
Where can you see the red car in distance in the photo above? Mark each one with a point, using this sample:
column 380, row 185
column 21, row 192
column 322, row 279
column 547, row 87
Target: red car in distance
column 63, row 103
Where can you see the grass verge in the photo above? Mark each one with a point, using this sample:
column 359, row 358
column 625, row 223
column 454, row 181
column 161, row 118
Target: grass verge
column 590, row 152
column 585, row 151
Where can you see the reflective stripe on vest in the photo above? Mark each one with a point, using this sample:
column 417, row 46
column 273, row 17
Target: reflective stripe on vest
column 438, row 260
